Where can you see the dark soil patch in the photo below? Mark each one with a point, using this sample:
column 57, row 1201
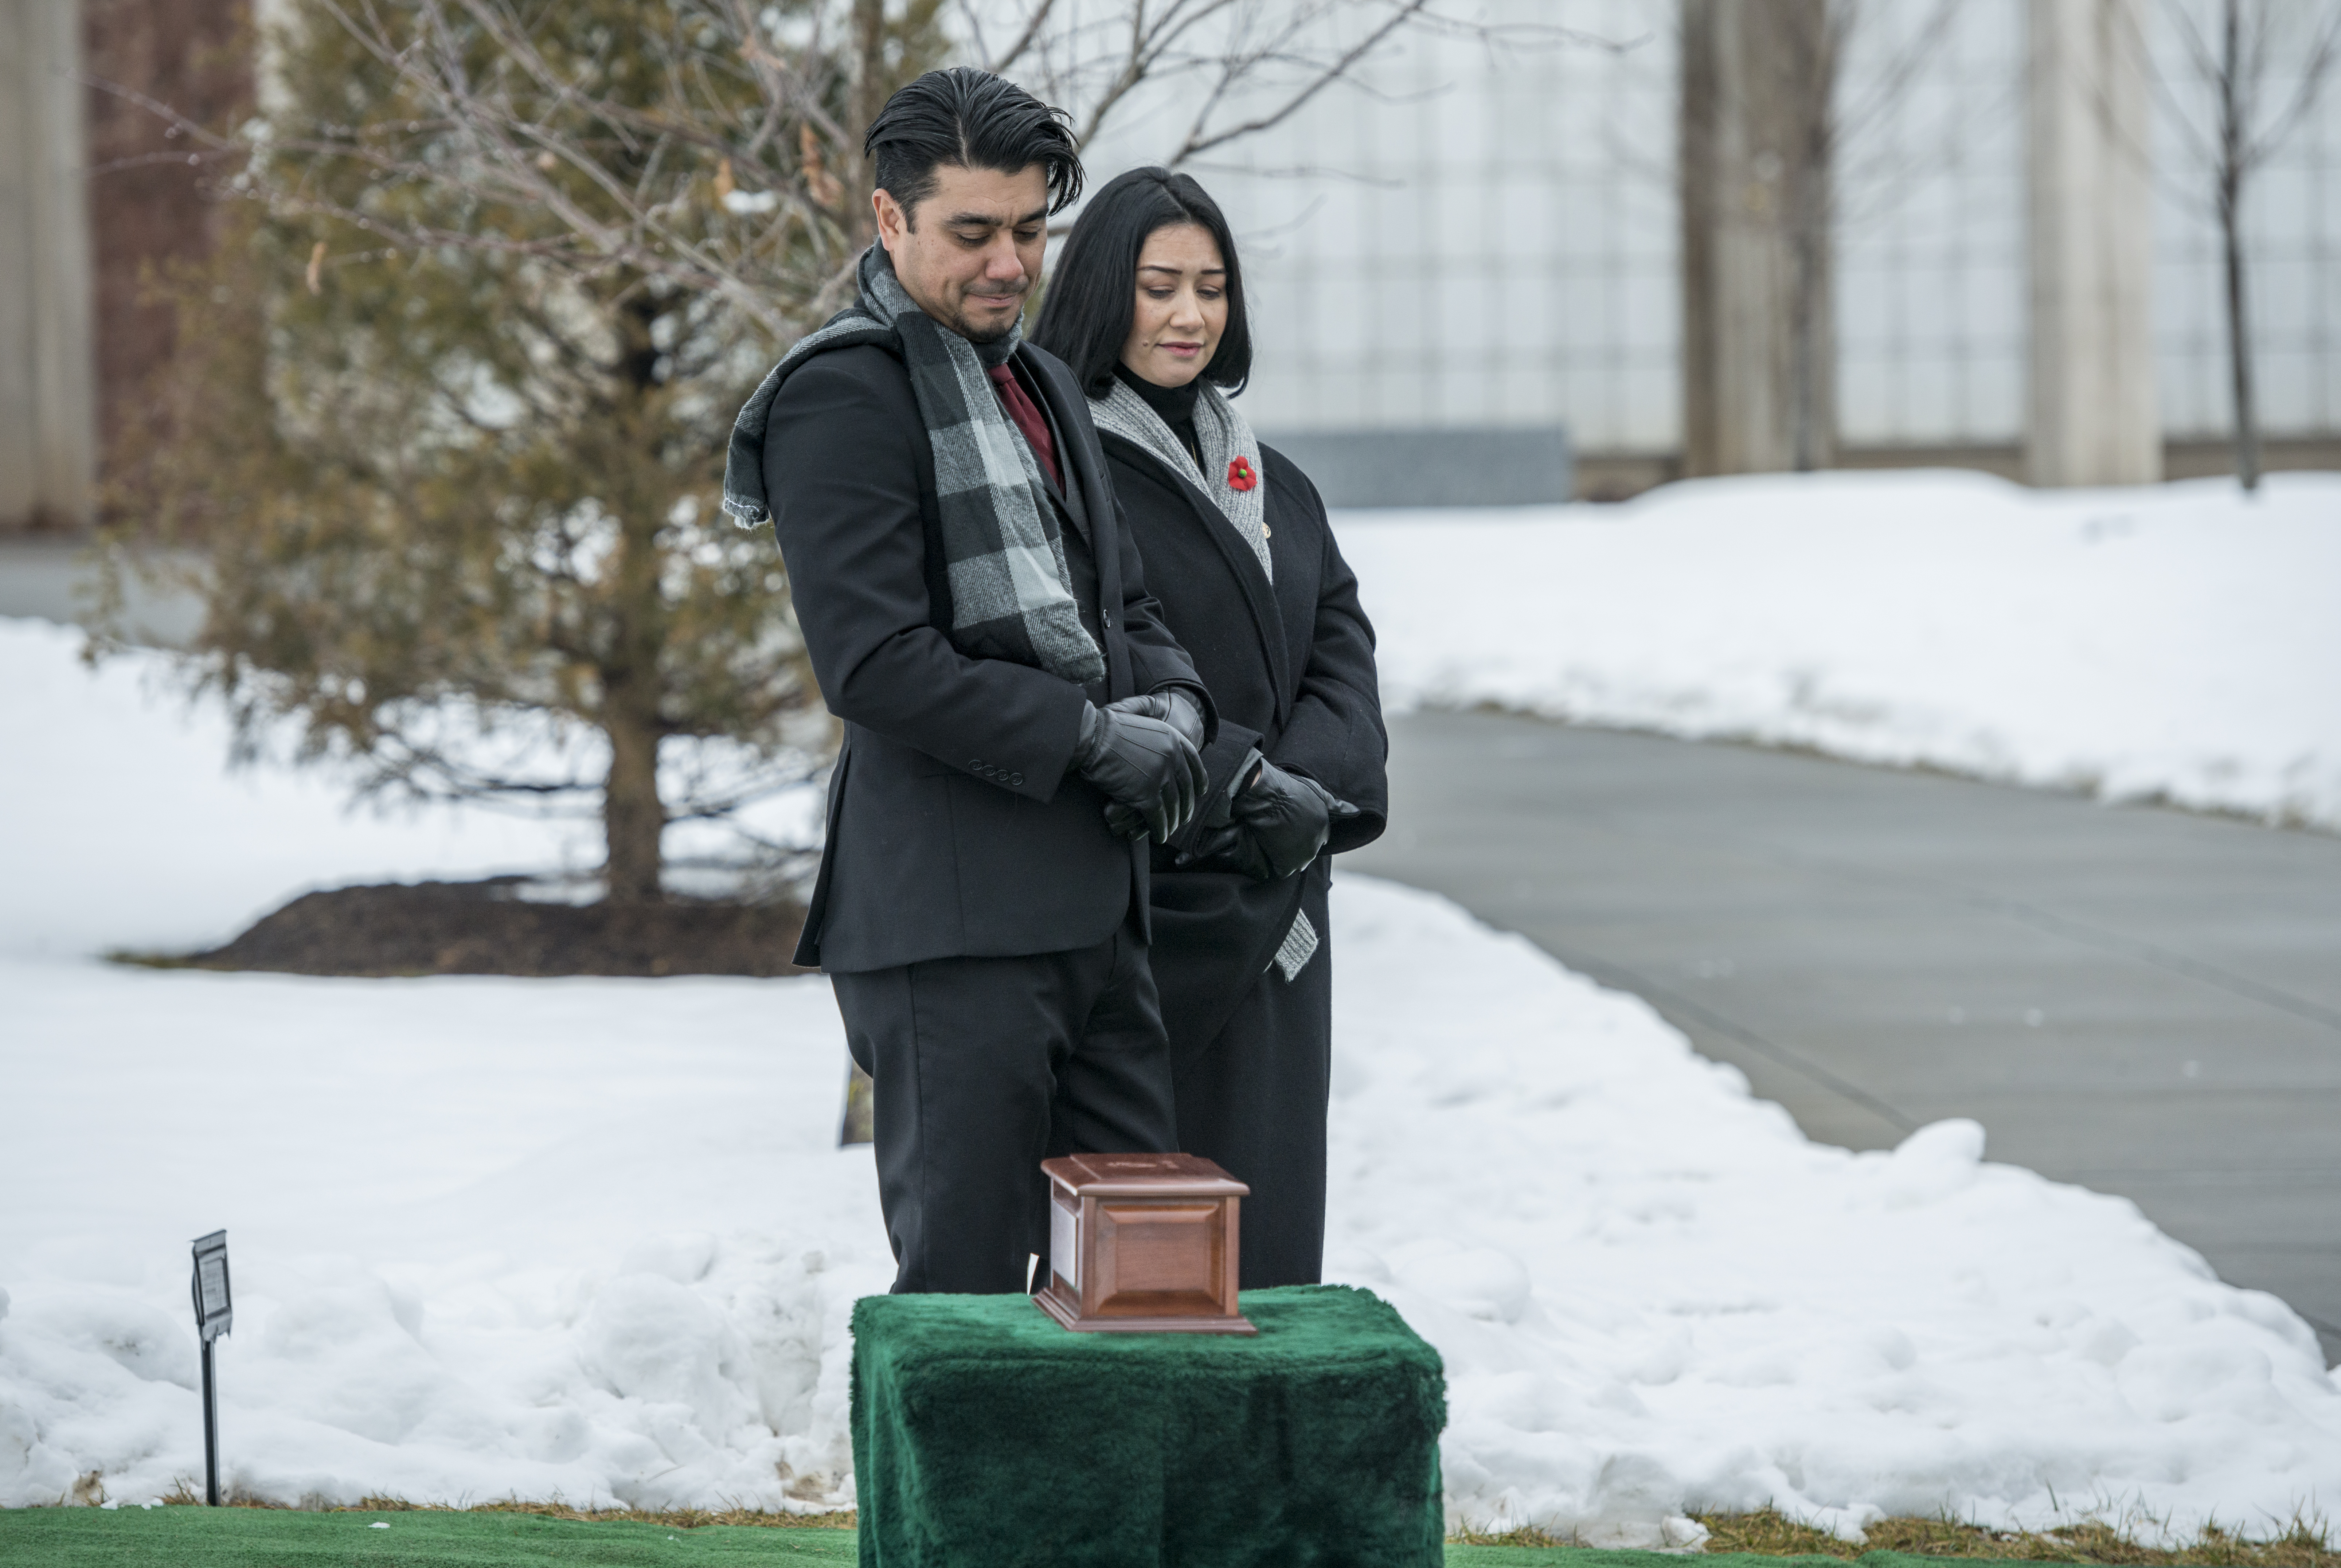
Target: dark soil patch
column 486, row 928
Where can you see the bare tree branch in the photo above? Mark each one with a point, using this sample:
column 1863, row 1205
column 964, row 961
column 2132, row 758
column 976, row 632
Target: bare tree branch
column 1005, row 62
column 1197, row 143
column 2239, row 140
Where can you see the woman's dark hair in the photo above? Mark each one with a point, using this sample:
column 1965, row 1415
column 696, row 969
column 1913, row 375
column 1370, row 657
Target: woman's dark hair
column 1086, row 313
column 969, row 119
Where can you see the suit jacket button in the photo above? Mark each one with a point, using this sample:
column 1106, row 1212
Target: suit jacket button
column 1016, row 779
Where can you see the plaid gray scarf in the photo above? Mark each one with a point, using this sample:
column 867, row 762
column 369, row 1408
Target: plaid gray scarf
column 1012, row 592
column 1224, row 433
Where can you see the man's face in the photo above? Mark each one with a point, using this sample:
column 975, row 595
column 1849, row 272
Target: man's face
column 971, row 252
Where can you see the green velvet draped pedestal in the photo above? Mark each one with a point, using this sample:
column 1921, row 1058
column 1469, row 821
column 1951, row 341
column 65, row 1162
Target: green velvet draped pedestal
column 984, row 1433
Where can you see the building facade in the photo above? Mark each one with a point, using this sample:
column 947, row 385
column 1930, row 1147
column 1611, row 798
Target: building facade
column 1488, row 233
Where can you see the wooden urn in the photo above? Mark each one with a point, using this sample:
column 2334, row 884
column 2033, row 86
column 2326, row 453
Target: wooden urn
column 1142, row 1243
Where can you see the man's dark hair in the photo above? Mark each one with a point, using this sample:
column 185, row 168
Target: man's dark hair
column 1092, row 298
column 969, row 119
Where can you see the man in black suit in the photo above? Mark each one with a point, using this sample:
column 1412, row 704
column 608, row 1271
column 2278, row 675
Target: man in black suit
column 975, row 613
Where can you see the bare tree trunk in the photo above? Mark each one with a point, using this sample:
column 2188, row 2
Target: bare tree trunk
column 858, row 1123
column 1807, row 349
column 2239, row 350
column 1811, row 62
column 1700, row 177
column 871, row 89
column 633, row 817
column 2233, row 156
column 1758, row 334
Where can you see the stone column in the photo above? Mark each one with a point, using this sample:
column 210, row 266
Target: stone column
column 47, row 395
column 2093, row 419
column 1759, row 345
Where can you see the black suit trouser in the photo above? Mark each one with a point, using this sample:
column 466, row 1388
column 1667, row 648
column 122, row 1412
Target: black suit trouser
column 983, row 1068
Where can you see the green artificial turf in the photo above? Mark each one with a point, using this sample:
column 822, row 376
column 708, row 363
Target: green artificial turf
column 293, row 1538
column 984, row 1432
column 287, row 1538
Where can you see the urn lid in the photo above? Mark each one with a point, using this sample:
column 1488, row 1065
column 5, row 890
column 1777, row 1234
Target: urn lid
column 1141, row 1175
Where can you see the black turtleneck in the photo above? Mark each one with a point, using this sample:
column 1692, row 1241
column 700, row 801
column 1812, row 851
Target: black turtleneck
column 1174, row 405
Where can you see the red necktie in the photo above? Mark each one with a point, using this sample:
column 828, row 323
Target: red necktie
column 1027, row 415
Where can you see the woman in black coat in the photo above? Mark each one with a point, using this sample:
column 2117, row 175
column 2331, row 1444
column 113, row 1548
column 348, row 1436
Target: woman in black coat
column 1146, row 305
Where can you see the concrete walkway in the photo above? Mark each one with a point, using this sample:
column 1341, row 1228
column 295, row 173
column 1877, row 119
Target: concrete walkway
column 2142, row 1001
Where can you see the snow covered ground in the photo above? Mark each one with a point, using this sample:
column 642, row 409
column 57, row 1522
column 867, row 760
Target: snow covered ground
column 123, row 828
column 2175, row 641
column 590, row 1238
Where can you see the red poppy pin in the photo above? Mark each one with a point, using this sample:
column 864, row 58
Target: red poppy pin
column 1241, row 475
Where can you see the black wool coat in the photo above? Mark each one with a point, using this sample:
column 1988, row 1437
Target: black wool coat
column 1290, row 665
column 956, row 825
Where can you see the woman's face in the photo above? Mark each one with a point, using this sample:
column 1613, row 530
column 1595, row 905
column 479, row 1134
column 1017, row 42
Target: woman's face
column 1182, row 305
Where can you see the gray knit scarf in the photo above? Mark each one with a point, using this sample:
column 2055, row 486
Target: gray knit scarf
column 1012, row 592
column 1225, row 437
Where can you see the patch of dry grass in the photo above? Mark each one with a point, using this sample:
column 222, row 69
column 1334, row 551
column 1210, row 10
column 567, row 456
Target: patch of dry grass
column 672, row 1518
column 2306, row 1544
column 186, row 1495
column 1527, row 1535
column 669, row 1518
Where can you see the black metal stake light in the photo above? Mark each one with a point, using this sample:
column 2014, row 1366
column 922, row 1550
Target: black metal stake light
column 213, row 1312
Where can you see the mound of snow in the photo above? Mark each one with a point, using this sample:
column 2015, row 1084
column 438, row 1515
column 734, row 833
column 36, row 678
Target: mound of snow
column 592, row 1239
column 2174, row 641
column 1654, row 1294
column 589, row 1239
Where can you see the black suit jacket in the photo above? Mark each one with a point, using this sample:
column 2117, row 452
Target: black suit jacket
column 1289, row 664
column 956, row 828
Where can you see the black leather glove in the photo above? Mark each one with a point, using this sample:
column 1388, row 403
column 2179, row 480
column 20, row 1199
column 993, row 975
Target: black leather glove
column 1278, row 823
column 1143, row 763
column 1173, row 707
